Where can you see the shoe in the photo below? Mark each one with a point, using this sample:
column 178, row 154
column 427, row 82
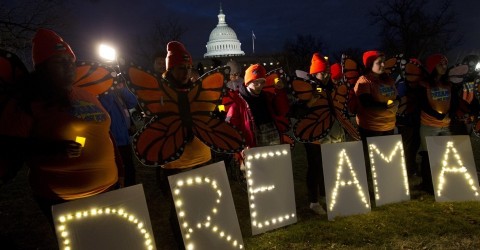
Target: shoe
column 317, row 208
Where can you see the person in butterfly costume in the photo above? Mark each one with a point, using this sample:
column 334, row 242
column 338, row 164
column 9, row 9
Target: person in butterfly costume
column 320, row 72
column 254, row 111
column 436, row 103
column 45, row 120
column 377, row 102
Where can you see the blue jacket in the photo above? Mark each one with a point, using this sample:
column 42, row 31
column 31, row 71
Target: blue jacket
column 117, row 103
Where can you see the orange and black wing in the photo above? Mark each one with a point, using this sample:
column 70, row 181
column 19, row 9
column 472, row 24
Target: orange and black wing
column 318, row 121
column 350, row 70
column 340, row 97
column 272, row 77
column 163, row 138
column 204, row 97
column 95, row 77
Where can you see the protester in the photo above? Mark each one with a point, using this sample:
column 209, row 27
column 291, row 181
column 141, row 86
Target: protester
column 320, row 72
column 179, row 65
column 378, row 104
column 436, row 101
column 117, row 103
column 254, row 111
column 44, row 122
column 235, row 75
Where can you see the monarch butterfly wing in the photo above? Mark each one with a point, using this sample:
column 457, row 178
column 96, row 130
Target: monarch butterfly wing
column 391, row 65
column 316, row 124
column 302, row 89
column 94, row 77
column 476, row 127
column 339, row 102
column 160, row 141
column 271, row 79
column 287, row 139
column 163, row 138
column 12, row 71
column 154, row 95
column 204, row 98
column 350, row 70
column 413, row 73
column 457, row 73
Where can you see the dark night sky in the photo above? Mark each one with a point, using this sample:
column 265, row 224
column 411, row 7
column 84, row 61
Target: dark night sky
column 339, row 24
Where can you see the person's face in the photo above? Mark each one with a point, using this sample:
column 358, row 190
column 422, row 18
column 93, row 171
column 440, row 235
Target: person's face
column 323, row 76
column 182, row 72
column 159, row 65
column 441, row 67
column 378, row 66
column 61, row 70
column 233, row 76
column 256, row 86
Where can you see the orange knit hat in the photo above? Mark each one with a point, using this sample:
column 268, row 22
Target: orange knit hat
column 434, row 60
column 46, row 43
column 319, row 64
column 254, row 72
column 336, row 71
column 177, row 55
column 370, row 56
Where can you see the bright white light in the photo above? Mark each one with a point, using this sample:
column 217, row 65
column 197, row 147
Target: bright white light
column 106, row 52
column 477, row 67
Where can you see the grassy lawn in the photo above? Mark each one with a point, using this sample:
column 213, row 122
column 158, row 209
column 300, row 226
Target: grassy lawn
column 420, row 223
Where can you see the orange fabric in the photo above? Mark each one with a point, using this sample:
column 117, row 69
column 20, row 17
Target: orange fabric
column 370, row 56
column 318, row 64
column 195, row 153
column 255, row 72
column 46, row 44
column 434, row 60
column 376, row 119
column 54, row 177
column 336, row 71
column 177, row 55
column 439, row 99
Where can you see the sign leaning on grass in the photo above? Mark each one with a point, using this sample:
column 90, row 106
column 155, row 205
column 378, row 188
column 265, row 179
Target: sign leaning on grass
column 453, row 168
column 205, row 210
column 271, row 192
column 346, row 187
column 389, row 174
column 118, row 219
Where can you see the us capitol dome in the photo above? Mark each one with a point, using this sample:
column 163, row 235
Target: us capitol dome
column 223, row 41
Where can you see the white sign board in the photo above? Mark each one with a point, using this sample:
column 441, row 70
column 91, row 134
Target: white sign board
column 346, row 187
column 453, row 168
column 271, row 192
column 114, row 220
column 389, row 174
column 205, row 210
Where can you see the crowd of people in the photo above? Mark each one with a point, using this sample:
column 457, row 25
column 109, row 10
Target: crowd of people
column 41, row 120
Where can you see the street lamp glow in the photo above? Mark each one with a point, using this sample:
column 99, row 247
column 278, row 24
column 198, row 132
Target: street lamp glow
column 477, row 67
column 106, row 52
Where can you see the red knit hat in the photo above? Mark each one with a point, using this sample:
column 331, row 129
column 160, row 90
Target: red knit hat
column 434, row 60
column 370, row 56
column 319, row 64
column 46, row 44
column 254, row 72
column 336, row 71
column 177, row 55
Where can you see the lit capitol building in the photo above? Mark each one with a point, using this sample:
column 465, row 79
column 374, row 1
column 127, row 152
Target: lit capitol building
column 223, row 41
column 224, row 48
